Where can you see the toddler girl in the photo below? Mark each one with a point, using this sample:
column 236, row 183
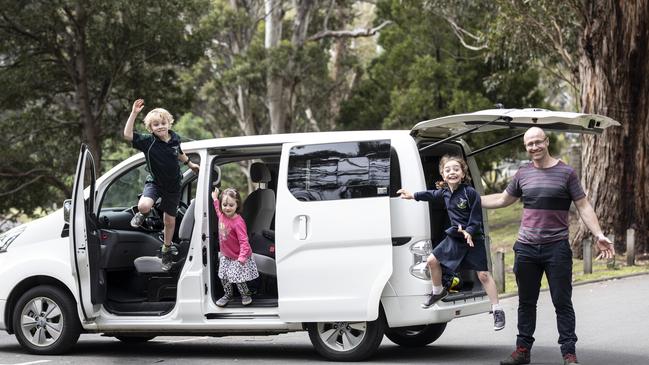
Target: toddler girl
column 236, row 264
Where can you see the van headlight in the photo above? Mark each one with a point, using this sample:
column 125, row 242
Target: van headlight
column 420, row 251
column 8, row 237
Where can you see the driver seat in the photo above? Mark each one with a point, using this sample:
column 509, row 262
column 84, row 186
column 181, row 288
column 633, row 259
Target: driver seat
column 153, row 264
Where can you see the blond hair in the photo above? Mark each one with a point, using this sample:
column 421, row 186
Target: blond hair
column 160, row 115
column 446, row 159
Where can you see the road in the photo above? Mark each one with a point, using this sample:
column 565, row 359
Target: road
column 612, row 325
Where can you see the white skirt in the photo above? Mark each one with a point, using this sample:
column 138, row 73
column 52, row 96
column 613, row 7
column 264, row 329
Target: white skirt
column 233, row 272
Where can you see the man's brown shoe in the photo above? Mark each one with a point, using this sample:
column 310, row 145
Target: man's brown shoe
column 518, row 357
column 570, row 359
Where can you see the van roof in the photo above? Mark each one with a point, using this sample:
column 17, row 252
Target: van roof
column 269, row 139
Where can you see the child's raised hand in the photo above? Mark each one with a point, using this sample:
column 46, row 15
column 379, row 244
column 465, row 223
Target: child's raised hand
column 194, row 167
column 138, row 105
column 215, row 193
column 467, row 236
column 405, row 194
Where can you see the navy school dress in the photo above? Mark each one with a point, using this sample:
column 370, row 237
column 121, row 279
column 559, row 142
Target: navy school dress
column 465, row 209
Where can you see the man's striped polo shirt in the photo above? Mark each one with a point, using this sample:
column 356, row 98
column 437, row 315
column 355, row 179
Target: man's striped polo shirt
column 547, row 194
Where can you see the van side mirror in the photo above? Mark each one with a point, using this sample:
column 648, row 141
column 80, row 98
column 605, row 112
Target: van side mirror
column 67, row 208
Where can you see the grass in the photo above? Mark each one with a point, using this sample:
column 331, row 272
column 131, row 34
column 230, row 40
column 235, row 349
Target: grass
column 504, row 223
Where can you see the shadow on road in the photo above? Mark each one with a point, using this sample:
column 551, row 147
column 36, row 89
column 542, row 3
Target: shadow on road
column 109, row 351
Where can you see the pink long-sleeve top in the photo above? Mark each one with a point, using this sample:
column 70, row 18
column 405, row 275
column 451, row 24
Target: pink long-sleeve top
column 233, row 235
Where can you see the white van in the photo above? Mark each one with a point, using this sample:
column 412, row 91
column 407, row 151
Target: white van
column 340, row 255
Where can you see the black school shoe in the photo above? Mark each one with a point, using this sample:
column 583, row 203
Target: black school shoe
column 434, row 298
column 168, row 257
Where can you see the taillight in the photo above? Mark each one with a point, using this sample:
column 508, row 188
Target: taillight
column 420, row 251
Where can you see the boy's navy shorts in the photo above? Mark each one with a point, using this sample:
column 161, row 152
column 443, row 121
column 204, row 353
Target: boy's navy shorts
column 169, row 202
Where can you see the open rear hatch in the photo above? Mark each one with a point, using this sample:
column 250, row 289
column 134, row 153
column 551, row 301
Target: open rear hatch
column 495, row 119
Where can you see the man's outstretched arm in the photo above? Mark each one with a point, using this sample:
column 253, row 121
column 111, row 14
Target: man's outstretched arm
column 494, row 201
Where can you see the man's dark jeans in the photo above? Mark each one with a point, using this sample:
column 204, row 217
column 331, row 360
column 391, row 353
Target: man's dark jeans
column 555, row 260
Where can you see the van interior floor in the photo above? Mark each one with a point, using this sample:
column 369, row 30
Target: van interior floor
column 139, row 308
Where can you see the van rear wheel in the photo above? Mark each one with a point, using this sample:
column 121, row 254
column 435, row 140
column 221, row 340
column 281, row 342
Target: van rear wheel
column 346, row 341
column 45, row 321
column 415, row 336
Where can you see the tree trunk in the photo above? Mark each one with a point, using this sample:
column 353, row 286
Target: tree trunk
column 613, row 68
column 90, row 130
column 274, row 83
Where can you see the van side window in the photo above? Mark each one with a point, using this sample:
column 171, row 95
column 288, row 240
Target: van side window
column 346, row 170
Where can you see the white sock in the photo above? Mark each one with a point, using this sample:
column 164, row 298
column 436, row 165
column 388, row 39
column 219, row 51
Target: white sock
column 437, row 289
column 496, row 307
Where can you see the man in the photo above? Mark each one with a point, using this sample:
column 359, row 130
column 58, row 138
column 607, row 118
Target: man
column 547, row 187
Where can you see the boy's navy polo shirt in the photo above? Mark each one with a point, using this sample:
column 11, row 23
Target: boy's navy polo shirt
column 161, row 159
column 464, row 207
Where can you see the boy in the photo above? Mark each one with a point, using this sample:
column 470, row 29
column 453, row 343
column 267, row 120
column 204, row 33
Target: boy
column 161, row 149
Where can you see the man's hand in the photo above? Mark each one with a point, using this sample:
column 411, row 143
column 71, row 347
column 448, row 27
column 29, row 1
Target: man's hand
column 467, row 236
column 138, row 105
column 215, row 194
column 605, row 247
column 405, row 194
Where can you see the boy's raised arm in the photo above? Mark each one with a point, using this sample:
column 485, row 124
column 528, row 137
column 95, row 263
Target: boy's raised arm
column 138, row 105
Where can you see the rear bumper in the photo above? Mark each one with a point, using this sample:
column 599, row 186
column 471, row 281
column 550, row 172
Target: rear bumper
column 407, row 311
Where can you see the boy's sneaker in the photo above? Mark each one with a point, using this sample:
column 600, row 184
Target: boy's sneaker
column 224, row 301
column 246, row 299
column 499, row 320
column 137, row 220
column 570, row 359
column 518, row 357
column 433, row 298
column 168, row 254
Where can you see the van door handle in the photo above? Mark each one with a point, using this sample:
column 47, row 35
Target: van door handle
column 301, row 227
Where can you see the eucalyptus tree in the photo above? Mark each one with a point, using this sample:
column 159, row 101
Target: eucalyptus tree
column 70, row 70
column 600, row 47
column 425, row 71
column 277, row 66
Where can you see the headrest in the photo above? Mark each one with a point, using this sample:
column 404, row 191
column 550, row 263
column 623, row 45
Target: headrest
column 259, row 173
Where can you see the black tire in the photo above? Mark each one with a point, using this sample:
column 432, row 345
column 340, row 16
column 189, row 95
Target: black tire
column 415, row 336
column 370, row 341
column 58, row 321
column 134, row 339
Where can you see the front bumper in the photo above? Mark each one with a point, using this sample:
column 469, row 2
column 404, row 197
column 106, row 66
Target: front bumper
column 407, row 310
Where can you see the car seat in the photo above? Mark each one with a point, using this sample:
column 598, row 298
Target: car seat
column 259, row 208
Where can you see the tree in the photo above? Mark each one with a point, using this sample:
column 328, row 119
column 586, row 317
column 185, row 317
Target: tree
column 289, row 75
column 602, row 45
column 425, row 72
column 72, row 70
column 613, row 73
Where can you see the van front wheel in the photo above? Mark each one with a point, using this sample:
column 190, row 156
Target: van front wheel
column 415, row 336
column 346, row 341
column 45, row 321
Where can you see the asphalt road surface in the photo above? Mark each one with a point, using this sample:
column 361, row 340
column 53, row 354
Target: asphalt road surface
column 612, row 325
